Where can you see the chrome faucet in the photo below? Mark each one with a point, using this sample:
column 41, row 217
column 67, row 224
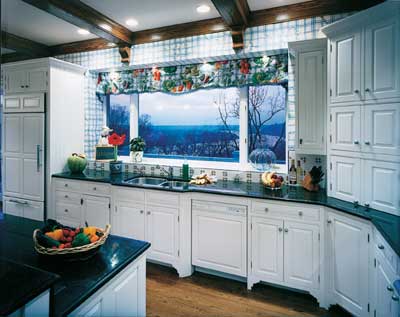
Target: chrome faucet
column 170, row 171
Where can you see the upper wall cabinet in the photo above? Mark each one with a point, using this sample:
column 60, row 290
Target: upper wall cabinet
column 345, row 56
column 26, row 80
column 364, row 55
column 310, row 87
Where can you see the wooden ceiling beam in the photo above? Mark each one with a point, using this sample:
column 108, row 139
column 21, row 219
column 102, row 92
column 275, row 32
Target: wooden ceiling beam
column 308, row 9
column 236, row 14
column 85, row 17
column 23, row 46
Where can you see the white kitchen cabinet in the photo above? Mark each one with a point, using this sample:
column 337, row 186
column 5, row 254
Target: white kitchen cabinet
column 345, row 178
column 381, row 185
column 385, row 303
column 96, row 210
column 348, row 254
column 162, row 232
column 267, row 249
column 345, row 67
column 124, row 295
column 219, row 237
column 26, row 80
column 128, row 220
column 24, row 208
column 23, row 136
column 310, row 92
column 37, row 307
column 302, row 255
column 382, row 59
column 381, row 131
column 345, row 128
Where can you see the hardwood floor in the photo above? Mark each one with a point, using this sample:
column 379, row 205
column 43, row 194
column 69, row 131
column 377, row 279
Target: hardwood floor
column 205, row 295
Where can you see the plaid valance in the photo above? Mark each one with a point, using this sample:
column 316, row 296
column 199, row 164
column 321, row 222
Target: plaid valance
column 265, row 70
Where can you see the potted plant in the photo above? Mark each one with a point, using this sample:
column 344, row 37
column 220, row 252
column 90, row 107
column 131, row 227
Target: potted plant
column 116, row 140
column 137, row 146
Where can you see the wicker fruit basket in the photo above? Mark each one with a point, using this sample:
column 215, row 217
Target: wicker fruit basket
column 76, row 253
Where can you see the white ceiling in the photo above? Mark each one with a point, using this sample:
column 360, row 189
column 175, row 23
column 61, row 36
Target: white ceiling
column 29, row 22
column 266, row 4
column 153, row 13
column 21, row 19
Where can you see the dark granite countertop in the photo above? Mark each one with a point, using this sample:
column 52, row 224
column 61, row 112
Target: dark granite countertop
column 387, row 224
column 77, row 280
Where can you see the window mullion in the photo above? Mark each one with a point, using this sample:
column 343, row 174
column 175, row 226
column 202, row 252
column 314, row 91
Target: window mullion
column 243, row 128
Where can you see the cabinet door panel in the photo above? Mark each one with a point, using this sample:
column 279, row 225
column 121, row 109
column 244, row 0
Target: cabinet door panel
column 382, row 61
column 33, row 103
column 12, row 178
column 33, row 180
column 381, row 130
column 36, row 80
column 381, row 187
column 301, row 255
column 129, row 220
column 219, row 242
column 96, row 211
column 345, row 178
column 346, row 67
column 12, row 104
column 349, row 260
column 345, row 128
column 162, row 232
column 384, row 305
column 15, row 81
column 12, row 138
column 267, row 248
column 310, row 108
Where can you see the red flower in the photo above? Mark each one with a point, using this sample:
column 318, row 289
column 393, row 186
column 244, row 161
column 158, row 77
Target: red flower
column 115, row 139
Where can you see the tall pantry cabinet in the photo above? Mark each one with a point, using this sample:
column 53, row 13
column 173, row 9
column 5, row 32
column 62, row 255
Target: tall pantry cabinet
column 43, row 123
column 364, row 108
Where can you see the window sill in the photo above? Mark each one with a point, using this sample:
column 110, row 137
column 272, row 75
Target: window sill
column 279, row 168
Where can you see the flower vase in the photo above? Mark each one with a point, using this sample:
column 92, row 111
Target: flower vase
column 136, row 156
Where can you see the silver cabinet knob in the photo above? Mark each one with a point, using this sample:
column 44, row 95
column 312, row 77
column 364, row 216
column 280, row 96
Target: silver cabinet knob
column 141, row 211
column 26, row 86
column 301, row 141
column 366, row 205
column 66, row 196
column 355, row 203
column 280, row 229
column 65, row 210
column 367, row 143
column 356, row 142
column 286, row 230
column 329, row 221
column 390, row 288
column 395, row 298
column 381, row 246
column 300, row 213
column 367, row 90
column 94, row 188
column 148, row 212
column 22, row 86
column 356, row 91
column 266, row 209
column 65, row 185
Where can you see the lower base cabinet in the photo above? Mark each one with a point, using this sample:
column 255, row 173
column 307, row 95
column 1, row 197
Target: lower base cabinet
column 37, row 307
column 348, row 244
column 125, row 295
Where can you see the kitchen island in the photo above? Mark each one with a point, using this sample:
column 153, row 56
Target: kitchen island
column 110, row 283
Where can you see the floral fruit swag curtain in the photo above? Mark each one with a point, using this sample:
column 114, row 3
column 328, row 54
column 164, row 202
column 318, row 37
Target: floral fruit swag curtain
column 186, row 78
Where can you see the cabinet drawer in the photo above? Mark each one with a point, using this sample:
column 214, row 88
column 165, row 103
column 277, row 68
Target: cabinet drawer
column 68, row 185
column 68, row 197
column 208, row 206
column 164, row 199
column 383, row 248
column 65, row 210
column 128, row 194
column 96, row 189
column 294, row 211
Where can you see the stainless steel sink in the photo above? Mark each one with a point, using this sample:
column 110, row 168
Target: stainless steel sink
column 175, row 184
column 146, row 181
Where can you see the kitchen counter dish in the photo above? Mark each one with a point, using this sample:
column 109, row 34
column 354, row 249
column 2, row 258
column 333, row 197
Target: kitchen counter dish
column 387, row 224
column 77, row 280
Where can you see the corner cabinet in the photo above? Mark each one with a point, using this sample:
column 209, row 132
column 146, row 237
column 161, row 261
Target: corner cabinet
column 364, row 107
column 348, row 248
column 310, row 94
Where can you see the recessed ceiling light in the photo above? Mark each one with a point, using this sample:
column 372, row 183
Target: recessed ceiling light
column 83, row 32
column 105, row 26
column 218, row 27
column 111, row 44
column 203, row 8
column 282, row 17
column 156, row 37
column 131, row 22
